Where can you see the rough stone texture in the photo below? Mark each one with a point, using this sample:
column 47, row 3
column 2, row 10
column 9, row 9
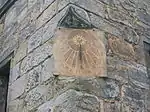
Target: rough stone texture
column 16, row 105
column 126, row 50
column 15, row 73
column 21, row 52
column 18, row 87
column 72, row 101
column 27, row 31
column 35, row 97
column 47, row 69
column 33, row 78
column 36, row 57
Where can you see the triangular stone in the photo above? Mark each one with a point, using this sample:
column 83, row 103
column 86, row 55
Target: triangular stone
column 73, row 20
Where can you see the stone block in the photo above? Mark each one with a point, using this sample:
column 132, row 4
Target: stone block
column 119, row 15
column 31, row 3
column 36, row 10
column 110, row 89
column 46, row 3
column 111, row 106
column 10, row 17
column 51, row 26
column 20, row 5
column 16, row 105
column 26, row 64
column 130, row 35
column 139, row 54
column 26, row 29
column 18, row 87
column 66, row 53
column 35, row 40
column 121, row 48
column 117, row 69
column 71, row 101
column 33, row 78
column 47, row 14
column 47, row 69
column 35, row 97
column 21, row 52
column 22, row 15
column 125, row 107
column 15, row 73
column 101, row 87
column 139, row 77
column 148, row 101
column 130, row 93
column 36, row 57
column 93, row 6
column 41, row 53
column 104, row 25
column 1, row 27
column 143, row 16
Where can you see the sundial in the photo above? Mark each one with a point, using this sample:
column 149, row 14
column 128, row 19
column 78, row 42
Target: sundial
column 79, row 52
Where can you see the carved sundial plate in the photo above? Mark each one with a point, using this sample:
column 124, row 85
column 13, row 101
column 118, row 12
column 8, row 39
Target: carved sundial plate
column 79, row 52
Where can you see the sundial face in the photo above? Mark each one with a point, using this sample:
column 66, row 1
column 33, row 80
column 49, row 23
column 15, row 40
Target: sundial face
column 79, row 53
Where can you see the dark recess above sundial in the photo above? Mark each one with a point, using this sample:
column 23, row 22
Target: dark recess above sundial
column 73, row 20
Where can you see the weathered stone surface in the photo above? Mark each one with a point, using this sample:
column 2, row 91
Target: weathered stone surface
column 130, row 93
column 20, row 5
column 144, row 16
column 21, row 52
column 18, row 87
column 82, row 13
column 123, row 71
column 82, row 52
column 27, row 29
column 35, row 97
column 139, row 54
column 148, row 101
column 47, row 69
column 16, row 105
column 101, row 87
column 119, row 15
column 130, row 35
column 134, row 97
column 73, row 20
column 110, row 89
column 47, row 3
column 35, row 40
column 11, row 42
column 1, row 27
column 22, row 15
column 52, row 26
column 15, row 73
column 72, row 101
column 47, row 14
column 37, row 9
column 31, row 3
column 139, row 77
column 33, row 78
column 117, row 69
column 10, row 18
column 93, row 6
column 36, row 57
column 121, row 48
column 104, row 25
column 111, row 106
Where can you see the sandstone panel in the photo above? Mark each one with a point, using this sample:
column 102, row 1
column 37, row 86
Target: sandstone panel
column 79, row 53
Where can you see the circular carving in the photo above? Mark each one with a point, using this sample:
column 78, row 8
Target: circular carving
column 80, row 53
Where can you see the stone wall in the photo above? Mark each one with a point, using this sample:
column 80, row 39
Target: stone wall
column 27, row 30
